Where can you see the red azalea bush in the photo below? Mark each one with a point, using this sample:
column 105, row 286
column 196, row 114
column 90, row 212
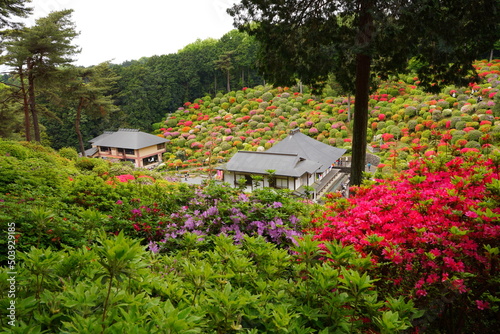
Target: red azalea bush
column 433, row 232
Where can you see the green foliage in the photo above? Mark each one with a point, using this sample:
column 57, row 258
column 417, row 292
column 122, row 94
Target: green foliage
column 121, row 259
column 27, row 166
column 10, row 148
column 219, row 288
column 474, row 135
column 92, row 165
column 37, row 59
column 90, row 191
column 69, row 153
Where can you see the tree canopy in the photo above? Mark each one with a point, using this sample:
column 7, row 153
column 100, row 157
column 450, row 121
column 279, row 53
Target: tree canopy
column 36, row 53
column 307, row 40
column 10, row 8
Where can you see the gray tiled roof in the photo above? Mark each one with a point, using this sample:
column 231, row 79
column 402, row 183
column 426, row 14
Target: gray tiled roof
column 308, row 148
column 284, row 164
column 103, row 135
column 127, row 138
column 91, row 151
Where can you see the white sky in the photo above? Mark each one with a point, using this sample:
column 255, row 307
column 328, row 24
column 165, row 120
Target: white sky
column 120, row 30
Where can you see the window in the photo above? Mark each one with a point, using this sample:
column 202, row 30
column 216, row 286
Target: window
column 150, row 160
column 104, row 149
column 160, row 146
column 281, row 183
column 128, row 151
column 248, row 178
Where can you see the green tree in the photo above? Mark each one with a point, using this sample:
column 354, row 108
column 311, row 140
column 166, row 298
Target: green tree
column 225, row 64
column 199, row 58
column 308, row 40
column 9, row 8
column 246, row 59
column 9, row 112
column 148, row 89
column 36, row 53
column 16, row 61
column 237, row 52
column 88, row 92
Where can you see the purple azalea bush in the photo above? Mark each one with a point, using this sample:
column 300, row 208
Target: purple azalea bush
column 219, row 209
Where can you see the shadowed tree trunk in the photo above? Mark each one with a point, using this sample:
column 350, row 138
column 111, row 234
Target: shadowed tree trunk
column 77, row 125
column 32, row 100
column 27, row 127
column 360, row 119
column 363, row 63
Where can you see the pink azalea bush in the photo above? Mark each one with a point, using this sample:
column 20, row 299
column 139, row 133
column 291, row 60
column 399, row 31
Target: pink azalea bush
column 125, row 177
column 433, row 233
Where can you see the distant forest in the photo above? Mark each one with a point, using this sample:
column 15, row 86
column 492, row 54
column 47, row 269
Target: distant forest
column 149, row 88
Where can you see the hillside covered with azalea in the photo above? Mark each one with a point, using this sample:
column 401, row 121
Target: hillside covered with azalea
column 404, row 120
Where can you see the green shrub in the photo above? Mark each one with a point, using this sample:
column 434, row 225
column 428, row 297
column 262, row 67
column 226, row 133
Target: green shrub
column 267, row 96
column 171, row 123
column 437, row 115
column 90, row 191
column 454, row 121
column 443, row 104
column 69, row 153
column 342, row 117
column 473, row 144
column 203, row 286
column 473, row 135
column 412, row 124
column 396, row 131
column 14, row 149
column 410, row 111
column 460, row 125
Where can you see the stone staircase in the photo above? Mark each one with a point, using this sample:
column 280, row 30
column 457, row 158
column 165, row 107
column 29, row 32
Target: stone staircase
column 333, row 184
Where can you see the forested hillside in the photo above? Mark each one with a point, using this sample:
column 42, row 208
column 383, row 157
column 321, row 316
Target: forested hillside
column 150, row 88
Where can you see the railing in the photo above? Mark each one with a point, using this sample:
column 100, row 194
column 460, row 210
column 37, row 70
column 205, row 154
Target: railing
column 333, row 184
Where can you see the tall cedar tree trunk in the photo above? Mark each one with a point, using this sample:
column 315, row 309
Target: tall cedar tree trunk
column 228, row 82
column 31, row 99
column 363, row 62
column 77, row 125
column 27, row 127
column 349, row 107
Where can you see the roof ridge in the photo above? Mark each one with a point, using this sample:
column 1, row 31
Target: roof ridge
column 129, row 130
column 269, row 153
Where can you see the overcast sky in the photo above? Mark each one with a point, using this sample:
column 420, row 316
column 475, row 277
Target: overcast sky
column 120, row 30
